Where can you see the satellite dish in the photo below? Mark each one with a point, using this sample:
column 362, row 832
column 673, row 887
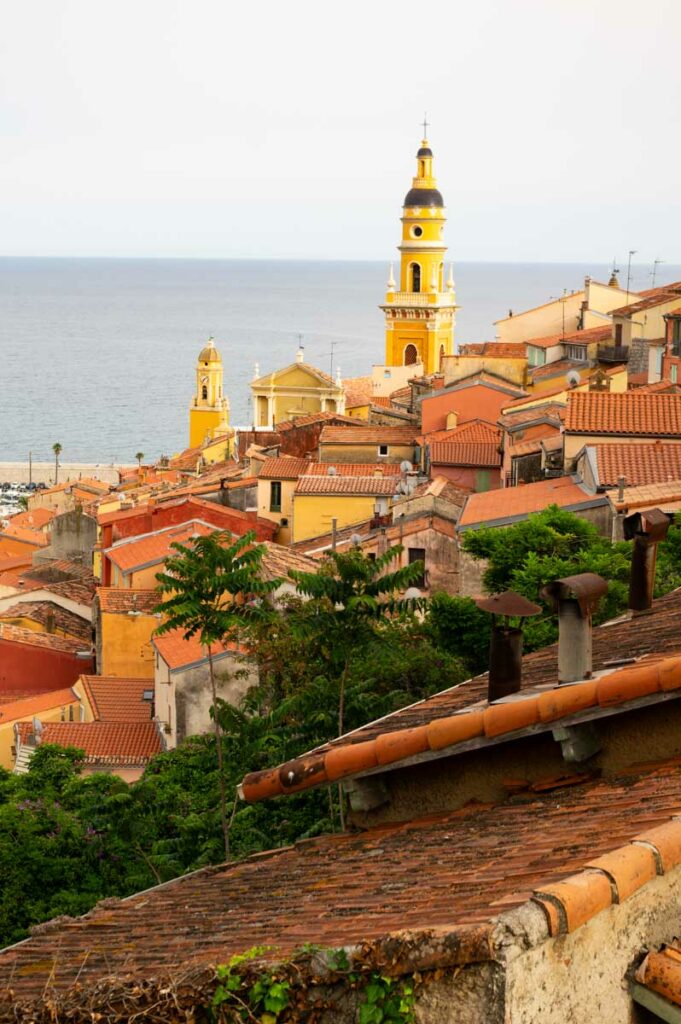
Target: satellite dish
column 406, row 466
column 356, row 539
column 411, row 593
column 573, row 378
column 332, row 471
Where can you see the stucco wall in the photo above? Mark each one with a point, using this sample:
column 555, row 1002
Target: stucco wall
column 72, row 534
column 313, row 513
column 366, row 453
column 580, row 978
column 542, row 320
column 477, row 402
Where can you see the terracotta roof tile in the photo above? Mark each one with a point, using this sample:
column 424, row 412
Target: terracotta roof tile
column 661, row 972
column 310, row 418
column 122, row 602
column 283, row 468
column 373, row 434
column 25, row 536
column 628, row 412
column 278, row 561
column 646, row 463
column 117, row 742
column 497, row 349
column 513, row 503
column 670, row 293
column 26, row 707
column 479, row 431
column 52, row 616
column 449, row 453
column 353, row 469
column 180, row 653
column 344, row 890
column 666, row 494
column 115, row 699
column 154, row 548
column 48, row 641
column 346, row 485
column 34, row 519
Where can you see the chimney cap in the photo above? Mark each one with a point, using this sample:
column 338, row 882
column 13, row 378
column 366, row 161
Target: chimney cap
column 508, row 603
column 653, row 523
column 587, row 588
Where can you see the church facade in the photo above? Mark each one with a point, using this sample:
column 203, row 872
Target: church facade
column 420, row 308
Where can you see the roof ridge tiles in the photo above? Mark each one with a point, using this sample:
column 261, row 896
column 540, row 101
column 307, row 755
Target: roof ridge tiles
column 344, row 758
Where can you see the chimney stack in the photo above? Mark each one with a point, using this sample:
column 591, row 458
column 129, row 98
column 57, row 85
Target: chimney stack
column 646, row 529
column 506, row 641
column 575, row 599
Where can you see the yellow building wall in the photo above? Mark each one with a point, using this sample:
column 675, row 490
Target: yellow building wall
column 543, row 320
column 264, row 492
column 292, row 392
column 365, row 453
column 219, row 449
column 618, row 382
column 456, row 368
column 428, row 343
column 204, row 423
column 37, row 627
column 125, row 646
column 358, row 412
column 313, row 514
column 51, row 715
column 603, row 299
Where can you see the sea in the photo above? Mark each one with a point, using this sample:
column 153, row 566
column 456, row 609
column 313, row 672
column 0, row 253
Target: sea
column 99, row 354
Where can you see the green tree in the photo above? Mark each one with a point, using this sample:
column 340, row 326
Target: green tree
column 57, row 449
column 139, row 456
column 215, row 587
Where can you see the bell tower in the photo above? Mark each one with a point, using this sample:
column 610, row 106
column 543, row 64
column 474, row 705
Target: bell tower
column 420, row 310
column 209, row 411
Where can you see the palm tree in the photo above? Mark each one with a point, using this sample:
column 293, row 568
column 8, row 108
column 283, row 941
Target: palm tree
column 139, row 456
column 56, row 448
column 215, row 588
column 353, row 594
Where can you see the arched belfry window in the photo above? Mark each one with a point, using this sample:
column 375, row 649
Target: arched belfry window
column 416, row 277
column 441, row 276
column 204, row 393
column 410, row 355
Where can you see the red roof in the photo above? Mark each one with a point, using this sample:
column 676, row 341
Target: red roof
column 180, row 653
column 646, row 463
column 627, row 412
column 25, row 536
column 368, row 435
column 121, row 602
column 283, row 468
column 509, row 504
column 34, row 519
column 449, row 453
column 353, row 469
column 112, row 742
column 48, row 641
column 26, row 707
column 115, row 699
column 479, row 431
column 359, row 485
column 153, row 548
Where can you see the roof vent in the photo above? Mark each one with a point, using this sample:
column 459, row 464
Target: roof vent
column 332, row 471
column 575, row 598
column 646, row 529
column 506, row 641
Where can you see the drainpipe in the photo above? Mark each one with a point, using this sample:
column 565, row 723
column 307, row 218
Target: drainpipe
column 646, row 529
column 575, row 599
column 506, row 641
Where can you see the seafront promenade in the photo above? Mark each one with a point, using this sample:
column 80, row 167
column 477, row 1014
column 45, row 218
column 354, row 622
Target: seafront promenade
column 43, row 472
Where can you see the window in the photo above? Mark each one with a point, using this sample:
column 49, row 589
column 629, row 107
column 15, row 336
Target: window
column 410, row 355
column 676, row 338
column 416, row 277
column 416, row 231
column 673, row 372
column 618, row 334
column 382, row 449
column 418, row 555
column 576, row 352
column 535, row 356
column 204, row 393
column 275, row 496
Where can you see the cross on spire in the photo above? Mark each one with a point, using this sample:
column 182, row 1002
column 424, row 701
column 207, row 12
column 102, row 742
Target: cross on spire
column 425, row 126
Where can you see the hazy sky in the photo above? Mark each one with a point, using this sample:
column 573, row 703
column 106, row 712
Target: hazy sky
column 268, row 129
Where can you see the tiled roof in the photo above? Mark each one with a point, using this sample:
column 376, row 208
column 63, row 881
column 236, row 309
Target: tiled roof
column 180, row 653
column 497, row 349
column 479, row 431
column 115, row 699
column 661, row 972
column 484, row 378
column 345, row 485
column 587, row 337
column 122, row 602
column 658, row 387
column 283, row 468
column 669, row 293
column 628, row 412
column 368, row 435
column 639, row 463
column 441, row 487
column 108, row 742
column 513, row 503
column 34, row 519
column 674, row 286
column 52, row 616
column 357, row 753
column 427, row 893
column 84, row 483
column 25, row 536
column 26, row 707
column 353, row 469
column 278, row 561
column 153, row 548
column 48, row 641
column 449, row 453
column 310, row 418
column 666, row 495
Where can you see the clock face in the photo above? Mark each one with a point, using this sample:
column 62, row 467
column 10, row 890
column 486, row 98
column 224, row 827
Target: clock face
column 204, row 379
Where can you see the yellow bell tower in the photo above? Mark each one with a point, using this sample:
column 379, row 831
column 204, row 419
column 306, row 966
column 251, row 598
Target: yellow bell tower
column 209, row 411
column 420, row 312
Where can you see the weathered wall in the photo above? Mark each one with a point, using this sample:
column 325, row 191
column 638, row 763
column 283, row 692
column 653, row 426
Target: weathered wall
column 456, row 368
column 313, row 513
column 73, row 535
column 28, row 669
column 477, row 402
column 580, row 978
column 471, row 478
column 470, row 574
column 365, row 453
column 123, row 644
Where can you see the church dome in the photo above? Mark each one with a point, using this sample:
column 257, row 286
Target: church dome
column 209, row 353
column 423, row 197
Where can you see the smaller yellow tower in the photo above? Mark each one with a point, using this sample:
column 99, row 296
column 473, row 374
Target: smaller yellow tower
column 209, row 411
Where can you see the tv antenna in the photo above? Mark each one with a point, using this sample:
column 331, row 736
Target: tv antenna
column 656, row 264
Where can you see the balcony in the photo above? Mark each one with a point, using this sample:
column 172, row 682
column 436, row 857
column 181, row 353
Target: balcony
column 421, row 299
column 613, row 354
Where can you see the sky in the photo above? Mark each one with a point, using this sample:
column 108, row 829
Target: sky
column 217, row 128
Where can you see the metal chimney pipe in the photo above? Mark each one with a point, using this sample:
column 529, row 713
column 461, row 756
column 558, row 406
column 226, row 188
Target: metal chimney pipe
column 575, row 599
column 506, row 642
column 646, row 529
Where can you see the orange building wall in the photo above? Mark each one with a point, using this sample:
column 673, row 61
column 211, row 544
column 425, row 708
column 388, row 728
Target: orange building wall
column 475, row 402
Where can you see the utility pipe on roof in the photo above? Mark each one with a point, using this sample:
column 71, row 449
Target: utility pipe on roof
column 646, row 529
column 575, row 598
